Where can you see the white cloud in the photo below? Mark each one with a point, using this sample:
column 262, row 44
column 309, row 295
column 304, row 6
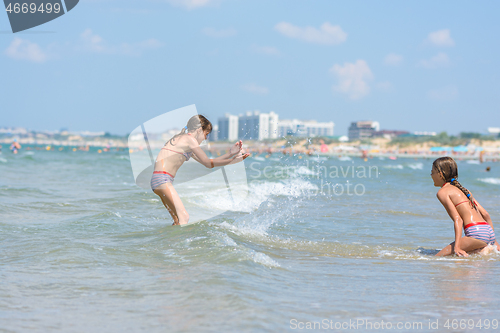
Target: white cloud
column 353, row 79
column 192, row 4
column 255, row 89
column 448, row 93
column 269, row 50
column 439, row 60
column 327, row 34
column 393, row 59
column 440, row 38
column 211, row 32
column 21, row 49
column 94, row 43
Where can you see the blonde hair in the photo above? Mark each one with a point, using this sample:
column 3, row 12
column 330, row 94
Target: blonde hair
column 193, row 124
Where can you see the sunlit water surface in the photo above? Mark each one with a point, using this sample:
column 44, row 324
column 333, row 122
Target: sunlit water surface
column 84, row 249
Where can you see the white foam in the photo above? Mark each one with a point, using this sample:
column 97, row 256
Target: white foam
column 397, row 166
column 473, row 162
column 258, row 192
column 303, row 170
column 189, row 240
column 494, row 181
column 225, row 240
column 318, row 158
column 264, row 259
column 416, row 166
column 247, row 254
column 3, row 160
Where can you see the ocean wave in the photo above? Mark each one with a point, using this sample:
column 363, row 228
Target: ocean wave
column 416, row 166
column 257, row 224
column 264, row 259
column 246, row 253
column 303, row 170
column 397, row 166
column 396, row 212
column 494, row 181
column 318, row 158
column 258, row 192
column 353, row 250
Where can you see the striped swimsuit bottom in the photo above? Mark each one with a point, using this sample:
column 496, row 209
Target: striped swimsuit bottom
column 481, row 231
column 159, row 178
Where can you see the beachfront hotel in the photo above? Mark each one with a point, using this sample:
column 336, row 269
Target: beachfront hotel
column 249, row 126
column 228, row 128
column 363, row 129
column 254, row 125
column 305, row 128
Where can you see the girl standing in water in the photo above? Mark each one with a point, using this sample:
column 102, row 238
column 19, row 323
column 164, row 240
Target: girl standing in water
column 465, row 212
column 178, row 150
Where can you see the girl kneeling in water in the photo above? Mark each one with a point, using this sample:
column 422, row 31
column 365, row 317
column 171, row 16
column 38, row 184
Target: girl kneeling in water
column 463, row 210
column 178, row 150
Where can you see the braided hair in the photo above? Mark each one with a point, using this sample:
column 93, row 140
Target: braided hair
column 193, row 124
column 447, row 167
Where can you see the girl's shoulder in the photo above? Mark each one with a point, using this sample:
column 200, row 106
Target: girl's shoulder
column 448, row 191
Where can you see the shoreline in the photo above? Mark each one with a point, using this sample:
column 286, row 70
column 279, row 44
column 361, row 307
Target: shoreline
column 487, row 151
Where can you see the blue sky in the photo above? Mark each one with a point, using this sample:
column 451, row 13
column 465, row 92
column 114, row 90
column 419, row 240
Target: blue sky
column 110, row 65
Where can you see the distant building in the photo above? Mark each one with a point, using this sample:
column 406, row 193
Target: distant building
column 253, row 125
column 389, row 134
column 307, row 128
column 494, row 130
column 363, row 129
column 87, row 133
column 273, row 125
column 214, row 135
column 425, row 133
column 258, row 126
column 13, row 130
column 228, row 128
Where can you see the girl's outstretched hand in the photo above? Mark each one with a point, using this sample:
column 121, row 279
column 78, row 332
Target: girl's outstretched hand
column 240, row 157
column 236, row 148
column 460, row 252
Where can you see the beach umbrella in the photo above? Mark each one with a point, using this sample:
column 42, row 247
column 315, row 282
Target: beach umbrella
column 440, row 149
column 460, row 149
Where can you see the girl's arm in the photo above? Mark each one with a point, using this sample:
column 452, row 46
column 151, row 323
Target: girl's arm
column 457, row 221
column 200, row 156
column 487, row 218
column 484, row 214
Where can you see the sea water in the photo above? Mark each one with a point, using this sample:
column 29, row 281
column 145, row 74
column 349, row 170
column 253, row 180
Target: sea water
column 83, row 248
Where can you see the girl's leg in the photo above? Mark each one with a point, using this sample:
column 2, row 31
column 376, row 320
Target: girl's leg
column 468, row 244
column 173, row 203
